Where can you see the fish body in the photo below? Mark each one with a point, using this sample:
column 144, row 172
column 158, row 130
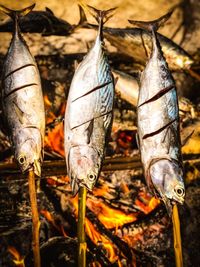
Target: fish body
column 136, row 42
column 88, row 115
column 22, row 101
column 158, row 125
column 127, row 87
column 44, row 22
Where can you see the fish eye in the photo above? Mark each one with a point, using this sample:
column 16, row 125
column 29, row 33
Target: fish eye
column 179, row 191
column 92, row 177
column 22, row 159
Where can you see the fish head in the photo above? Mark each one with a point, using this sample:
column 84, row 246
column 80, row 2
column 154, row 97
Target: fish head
column 28, row 157
column 167, row 178
column 84, row 164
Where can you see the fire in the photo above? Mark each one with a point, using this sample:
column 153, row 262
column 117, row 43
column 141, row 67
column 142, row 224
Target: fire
column 58, row 181
column 97, row 238
column 55, row 139
column 111, row 218
column 51, row 219
column 17, row 258
column 146, row 202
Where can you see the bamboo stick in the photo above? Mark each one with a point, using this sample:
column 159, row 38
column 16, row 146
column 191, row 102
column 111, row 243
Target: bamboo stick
column 35, row 219
column 177, row 237
column 82, row 245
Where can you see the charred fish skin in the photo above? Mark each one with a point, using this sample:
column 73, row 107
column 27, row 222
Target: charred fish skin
column 158, row 124
column 88, row 115
column 22, row 100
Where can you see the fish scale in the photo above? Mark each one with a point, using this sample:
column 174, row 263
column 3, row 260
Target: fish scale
column 88, row 114
column 158, row 124
column 22, row 100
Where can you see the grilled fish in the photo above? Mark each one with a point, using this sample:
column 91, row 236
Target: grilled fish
column 88, row 115
column 158, row 124
column 22, row 99
column 126, row 87
column 44, row 22
column 136, row 42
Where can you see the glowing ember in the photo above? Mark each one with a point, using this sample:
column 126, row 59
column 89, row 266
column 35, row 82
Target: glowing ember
column 111, row 218
column 58, row 181
column 17, row 258
column 54, row 140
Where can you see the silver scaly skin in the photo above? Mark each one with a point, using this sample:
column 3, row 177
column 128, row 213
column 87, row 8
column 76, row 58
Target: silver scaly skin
column 22, row 100
column 158, row 125
column 88, row 115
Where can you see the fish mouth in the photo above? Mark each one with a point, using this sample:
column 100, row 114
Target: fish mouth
column 180, row 200
column 77, row 183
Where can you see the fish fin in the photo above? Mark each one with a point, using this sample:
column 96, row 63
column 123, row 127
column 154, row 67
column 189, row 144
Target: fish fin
column 48, row 10
column 89, row 130
column 19, row 13
column 186, row 139
column 101, row 16
column 20, row 113
column 83, row 18
column 153, row 25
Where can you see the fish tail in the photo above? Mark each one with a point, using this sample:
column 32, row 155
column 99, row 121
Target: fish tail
column 16, row 13
column 153, row 25
column 101, row 16
column 83, row 18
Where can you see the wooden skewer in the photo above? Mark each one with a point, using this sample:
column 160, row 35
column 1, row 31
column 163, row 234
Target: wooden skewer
column 177, row 237
column 82, row 245
column 35, row 219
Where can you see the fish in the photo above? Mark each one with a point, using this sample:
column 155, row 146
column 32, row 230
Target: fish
column 126, row 87
column 136, row 43
column 89, row 112
column 158, row 124
column 44, row 22
column 22, row 99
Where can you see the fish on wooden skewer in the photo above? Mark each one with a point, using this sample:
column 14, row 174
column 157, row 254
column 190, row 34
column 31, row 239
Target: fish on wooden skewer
column 158, row 124
column 22, row 100
column 88, row 115
column 44, row 22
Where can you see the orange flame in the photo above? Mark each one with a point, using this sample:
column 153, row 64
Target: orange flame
column 97, row 238
column 51, row 219
column 55, row 139
column 18, row 259
column 148, row 202
column 111, row 218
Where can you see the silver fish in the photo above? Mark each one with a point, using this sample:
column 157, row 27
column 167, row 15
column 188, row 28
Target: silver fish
column 22, row 100
column 88, row 115
column 158, row 124
column 136, row 43
column 127, row 87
